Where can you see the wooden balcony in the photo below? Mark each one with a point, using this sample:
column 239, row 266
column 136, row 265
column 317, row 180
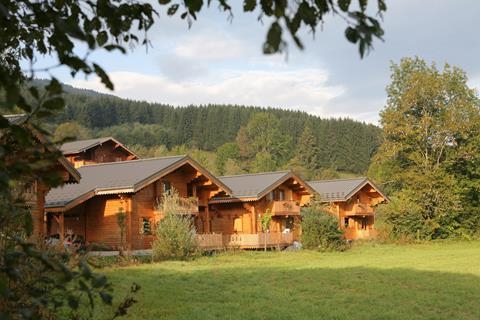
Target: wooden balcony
column 244, row 241
column 186, row 206
column 360, row 209
column 285, row 208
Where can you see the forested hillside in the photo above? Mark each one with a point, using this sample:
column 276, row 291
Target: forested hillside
column 228, row 139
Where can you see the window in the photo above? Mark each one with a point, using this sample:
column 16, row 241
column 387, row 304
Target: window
column 281, row 195
column 346, row 222
column 270, row 196
column 146, row 226
column 166, row 186
column 31, row 187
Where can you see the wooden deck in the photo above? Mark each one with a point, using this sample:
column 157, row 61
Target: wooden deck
column 244, row 241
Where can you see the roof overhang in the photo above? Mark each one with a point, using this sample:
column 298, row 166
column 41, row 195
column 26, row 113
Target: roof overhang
column 176, row 165
column 138, row 186
column 283, row 179
column 99, row 142
column 21, row 120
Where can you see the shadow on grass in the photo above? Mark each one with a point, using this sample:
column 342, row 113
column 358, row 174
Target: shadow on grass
column 319, row 293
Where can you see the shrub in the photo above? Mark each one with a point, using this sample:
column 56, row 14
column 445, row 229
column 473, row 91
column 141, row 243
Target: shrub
column 175, row 238
column 175, row 234
column 320, row 230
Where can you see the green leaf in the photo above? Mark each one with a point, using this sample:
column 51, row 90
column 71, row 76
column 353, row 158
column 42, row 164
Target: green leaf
column 172, row 9
column 363, row 4
column 351, row 34
column 72, row 302
column 99, row 281
column 103, row 76
column 344, row 5
column 4, row 123
column 55, row 103
column 102, row 38
column 274, row 39
column 267, row 7
column 194, row 5
column 249, row 5
column 112, row 47
column 106, row 297
column 382, row 5
column 54, row 87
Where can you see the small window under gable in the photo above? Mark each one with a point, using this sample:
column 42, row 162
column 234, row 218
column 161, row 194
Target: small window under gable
column 146, row 226
column 166, row 187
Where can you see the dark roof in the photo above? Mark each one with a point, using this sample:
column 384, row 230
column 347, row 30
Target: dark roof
column 341, row 189
column 83, row 145
column 255, row 186
column 119, row 177
column 20, row 119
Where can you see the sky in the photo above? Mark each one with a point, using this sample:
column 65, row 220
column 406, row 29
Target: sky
column 218, row 61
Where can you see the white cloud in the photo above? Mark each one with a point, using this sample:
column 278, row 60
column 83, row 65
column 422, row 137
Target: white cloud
column 304, row 89
column 210, row 46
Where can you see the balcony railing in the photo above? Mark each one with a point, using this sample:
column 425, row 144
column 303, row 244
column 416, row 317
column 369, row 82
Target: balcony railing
column 179, row 205
column 244, row 241
column 360, row 209
column 285, row 208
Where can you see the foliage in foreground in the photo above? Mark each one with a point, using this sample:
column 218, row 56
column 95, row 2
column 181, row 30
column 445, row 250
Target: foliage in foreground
column 320, row 230
column 48, row 284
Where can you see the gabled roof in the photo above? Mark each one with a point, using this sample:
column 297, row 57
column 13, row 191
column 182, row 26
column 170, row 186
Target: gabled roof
column 84, row 145
column 119, row 177
column 255, row 186
column 341, row 189
column 19, row 119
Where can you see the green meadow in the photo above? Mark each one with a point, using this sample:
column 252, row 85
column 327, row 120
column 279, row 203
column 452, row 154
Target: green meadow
column 439, row 280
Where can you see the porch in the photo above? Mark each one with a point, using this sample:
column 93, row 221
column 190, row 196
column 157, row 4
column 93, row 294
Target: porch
column 244, row 241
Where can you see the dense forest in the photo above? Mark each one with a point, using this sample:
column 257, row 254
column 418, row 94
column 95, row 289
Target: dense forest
column 227, row 139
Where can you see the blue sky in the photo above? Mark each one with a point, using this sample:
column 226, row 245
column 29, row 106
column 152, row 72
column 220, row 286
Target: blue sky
column 216, row 61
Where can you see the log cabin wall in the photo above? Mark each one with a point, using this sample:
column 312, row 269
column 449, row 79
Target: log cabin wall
column 35, row 200
column 143, row 215
column 231, row 218
column 105, row 152
column 101, row 220
column 357, row 215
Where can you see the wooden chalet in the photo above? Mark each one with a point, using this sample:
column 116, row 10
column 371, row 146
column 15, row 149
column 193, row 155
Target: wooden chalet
column 236, row 218
column 33, row 190
column 353, row 202
column 135, row 187
column 92, row 151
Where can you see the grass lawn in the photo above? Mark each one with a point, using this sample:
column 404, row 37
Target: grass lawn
column 424, row 281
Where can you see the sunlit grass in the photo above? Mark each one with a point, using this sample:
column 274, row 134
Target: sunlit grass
column 426, row 281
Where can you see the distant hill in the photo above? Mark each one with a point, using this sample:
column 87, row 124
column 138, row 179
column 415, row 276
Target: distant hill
column 70, row 89
column 343, row 144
